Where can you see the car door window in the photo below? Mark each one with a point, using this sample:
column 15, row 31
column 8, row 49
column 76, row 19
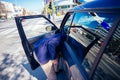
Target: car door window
column 86, row 20
column 102, row 32
column 35, row 26
column 109, row 66
column 31, row 29
column 92, row 24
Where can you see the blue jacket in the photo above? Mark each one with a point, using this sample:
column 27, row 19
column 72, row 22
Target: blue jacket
column 45, row 48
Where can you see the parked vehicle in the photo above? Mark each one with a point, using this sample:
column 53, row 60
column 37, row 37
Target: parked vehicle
column 2, row 20
column 92, row 45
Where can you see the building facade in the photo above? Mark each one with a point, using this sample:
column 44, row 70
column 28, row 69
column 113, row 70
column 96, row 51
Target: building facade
column 6, row 9
column 62, row 6
column 9, row 10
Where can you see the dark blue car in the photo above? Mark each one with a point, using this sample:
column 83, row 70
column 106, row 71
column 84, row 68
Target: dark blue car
column 91, row 46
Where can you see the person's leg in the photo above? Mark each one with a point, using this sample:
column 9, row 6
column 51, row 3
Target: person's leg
column 56, row 62
column 48, row 69
column 49, row 17
column 55, row 65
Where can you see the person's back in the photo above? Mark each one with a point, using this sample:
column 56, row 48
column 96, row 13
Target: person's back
column 46, row 54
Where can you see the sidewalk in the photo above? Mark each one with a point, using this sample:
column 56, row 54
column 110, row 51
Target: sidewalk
column 58, row 20
column 59, row 17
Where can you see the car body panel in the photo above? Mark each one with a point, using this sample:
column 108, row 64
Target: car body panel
column 99, row 4
column 2, row 20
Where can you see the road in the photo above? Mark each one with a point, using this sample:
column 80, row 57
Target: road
column 13, row 63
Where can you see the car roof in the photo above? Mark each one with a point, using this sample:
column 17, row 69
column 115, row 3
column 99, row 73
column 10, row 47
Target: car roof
column 99, row 4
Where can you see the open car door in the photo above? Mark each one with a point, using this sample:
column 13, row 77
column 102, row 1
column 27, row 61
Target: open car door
column 31, row 29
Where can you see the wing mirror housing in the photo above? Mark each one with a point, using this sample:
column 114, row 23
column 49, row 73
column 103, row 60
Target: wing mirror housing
column 50, row 28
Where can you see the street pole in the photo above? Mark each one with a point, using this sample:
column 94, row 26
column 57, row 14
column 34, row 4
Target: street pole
column 1, row 9
column 45, row 9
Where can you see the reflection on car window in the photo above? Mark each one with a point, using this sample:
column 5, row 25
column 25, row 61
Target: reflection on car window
column 91, row 21
column 84, row 19
column 83, row 37
column 109, row 66
column 102, row 32
column 69, row 21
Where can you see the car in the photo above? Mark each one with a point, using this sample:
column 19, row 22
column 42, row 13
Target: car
column 2, row 20
column 91, row 47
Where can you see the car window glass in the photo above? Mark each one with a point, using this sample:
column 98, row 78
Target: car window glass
column 95, row 24
column 35, row 27
column 82, row 36
column 88, row 21
column 102, row 32
column 109, row 66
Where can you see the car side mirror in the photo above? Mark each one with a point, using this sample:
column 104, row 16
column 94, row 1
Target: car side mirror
column 49, row 28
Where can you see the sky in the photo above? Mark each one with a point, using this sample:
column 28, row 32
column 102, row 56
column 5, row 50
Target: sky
column 32, row 5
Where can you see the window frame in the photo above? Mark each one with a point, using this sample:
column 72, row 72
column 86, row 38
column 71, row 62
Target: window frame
column 24, row 40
